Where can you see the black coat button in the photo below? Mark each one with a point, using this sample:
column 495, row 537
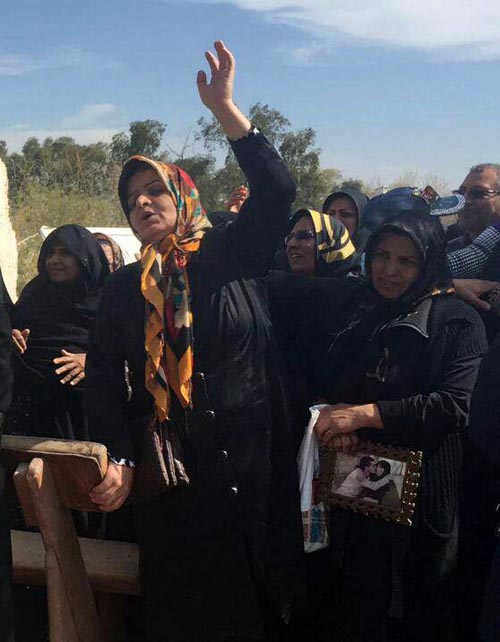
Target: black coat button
column 222, row 455
column 210, row 415
column 234, row 490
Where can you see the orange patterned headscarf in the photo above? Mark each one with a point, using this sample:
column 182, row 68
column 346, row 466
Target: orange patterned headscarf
column 165, row 287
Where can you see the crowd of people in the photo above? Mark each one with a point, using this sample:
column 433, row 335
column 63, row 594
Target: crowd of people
column 208, row 353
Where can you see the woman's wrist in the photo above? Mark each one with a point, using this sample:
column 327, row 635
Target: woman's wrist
column 369, row 416
column 234, row 123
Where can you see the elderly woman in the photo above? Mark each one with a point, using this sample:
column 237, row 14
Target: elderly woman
column 219, row 551
column 51, row 323
column 396, row 358
column 401, row 372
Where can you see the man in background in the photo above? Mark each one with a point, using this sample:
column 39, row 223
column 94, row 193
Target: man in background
column 481, row 189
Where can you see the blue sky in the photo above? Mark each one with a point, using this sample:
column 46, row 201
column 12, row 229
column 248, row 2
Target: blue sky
column 390, row 86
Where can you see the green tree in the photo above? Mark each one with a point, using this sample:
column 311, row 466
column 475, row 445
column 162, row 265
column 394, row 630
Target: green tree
column 145, row 137
column 202, row 170
column 296, row 147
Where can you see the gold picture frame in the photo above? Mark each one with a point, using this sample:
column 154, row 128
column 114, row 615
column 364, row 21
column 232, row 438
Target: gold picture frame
column 376, row 480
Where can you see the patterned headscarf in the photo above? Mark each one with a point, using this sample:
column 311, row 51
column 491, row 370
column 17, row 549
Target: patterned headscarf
column 333, row 242
column 165, row 287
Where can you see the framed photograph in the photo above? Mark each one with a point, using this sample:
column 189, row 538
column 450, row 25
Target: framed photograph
column 376, row 481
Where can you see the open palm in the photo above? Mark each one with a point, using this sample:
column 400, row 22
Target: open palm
column 219, row 91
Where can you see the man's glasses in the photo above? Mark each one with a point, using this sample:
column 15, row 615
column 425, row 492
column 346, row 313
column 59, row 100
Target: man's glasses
column 477, row 194
column 300, row 235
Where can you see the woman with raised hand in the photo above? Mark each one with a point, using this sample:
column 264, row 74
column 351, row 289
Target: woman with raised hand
column 220, row 550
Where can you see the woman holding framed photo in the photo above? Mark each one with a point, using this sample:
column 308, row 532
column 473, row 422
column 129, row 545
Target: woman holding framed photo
column 396, row 357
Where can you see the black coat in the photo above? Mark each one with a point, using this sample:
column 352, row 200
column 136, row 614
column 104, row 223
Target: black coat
column 211, row 551
column 5, row 397
column 426, row 364
column 480, row 499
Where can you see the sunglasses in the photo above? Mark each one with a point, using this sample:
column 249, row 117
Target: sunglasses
column 476, row 194
column 300, row 235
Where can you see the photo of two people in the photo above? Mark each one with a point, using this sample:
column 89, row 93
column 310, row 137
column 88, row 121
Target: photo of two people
column 369, row 478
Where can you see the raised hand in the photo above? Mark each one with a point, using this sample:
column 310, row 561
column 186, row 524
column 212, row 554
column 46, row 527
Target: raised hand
column 219, row 91
column 217, row 94
column 237, row 198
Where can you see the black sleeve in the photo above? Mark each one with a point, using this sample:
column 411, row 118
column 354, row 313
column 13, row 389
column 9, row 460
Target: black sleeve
column 105, row 385
column 423, row 421
column 484, row 429
column 5, row 350
column 262, row 221
column 297, row 299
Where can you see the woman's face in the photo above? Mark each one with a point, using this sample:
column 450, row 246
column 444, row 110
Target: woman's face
column 380, row 471
column 62, row 266
column 153, row 214
column 395, row 266
column 344, row 209
column 108, row 253
column 301, row 247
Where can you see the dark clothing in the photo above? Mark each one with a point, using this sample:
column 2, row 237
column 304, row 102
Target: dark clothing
column 213, row 551
column 453, row 231
column 416, row 358
column 61, row 316
column 481, row 495
column 457, row 244
column 58, row 317
column 5, row 398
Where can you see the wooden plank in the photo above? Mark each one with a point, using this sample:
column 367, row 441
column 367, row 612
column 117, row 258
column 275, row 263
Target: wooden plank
column 77, row 466
column 112, row 567
column 62, row 625
column 68, row 587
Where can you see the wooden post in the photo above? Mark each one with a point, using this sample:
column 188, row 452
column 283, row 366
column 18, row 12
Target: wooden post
column 71, row 602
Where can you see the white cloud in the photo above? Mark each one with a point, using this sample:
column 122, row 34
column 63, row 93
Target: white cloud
column 14, row 64
column 92, row 115
column 452, row 29
column 91, row 124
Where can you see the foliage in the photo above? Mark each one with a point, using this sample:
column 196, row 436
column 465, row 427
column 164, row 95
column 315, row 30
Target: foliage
column 296, row 147
column 41, row 205
column 58, row 181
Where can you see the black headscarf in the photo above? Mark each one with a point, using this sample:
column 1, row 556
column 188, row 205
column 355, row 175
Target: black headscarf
column 371, row 311
column 429, row 237
column 352, row 349
column 61, row 316
column 360, row 201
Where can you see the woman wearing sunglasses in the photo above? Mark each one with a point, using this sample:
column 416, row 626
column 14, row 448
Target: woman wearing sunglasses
column 317, row 245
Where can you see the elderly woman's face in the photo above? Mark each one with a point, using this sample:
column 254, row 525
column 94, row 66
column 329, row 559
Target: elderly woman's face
column 62, row 266
column 301, row 247
column 395, row 266
column 153, row 214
